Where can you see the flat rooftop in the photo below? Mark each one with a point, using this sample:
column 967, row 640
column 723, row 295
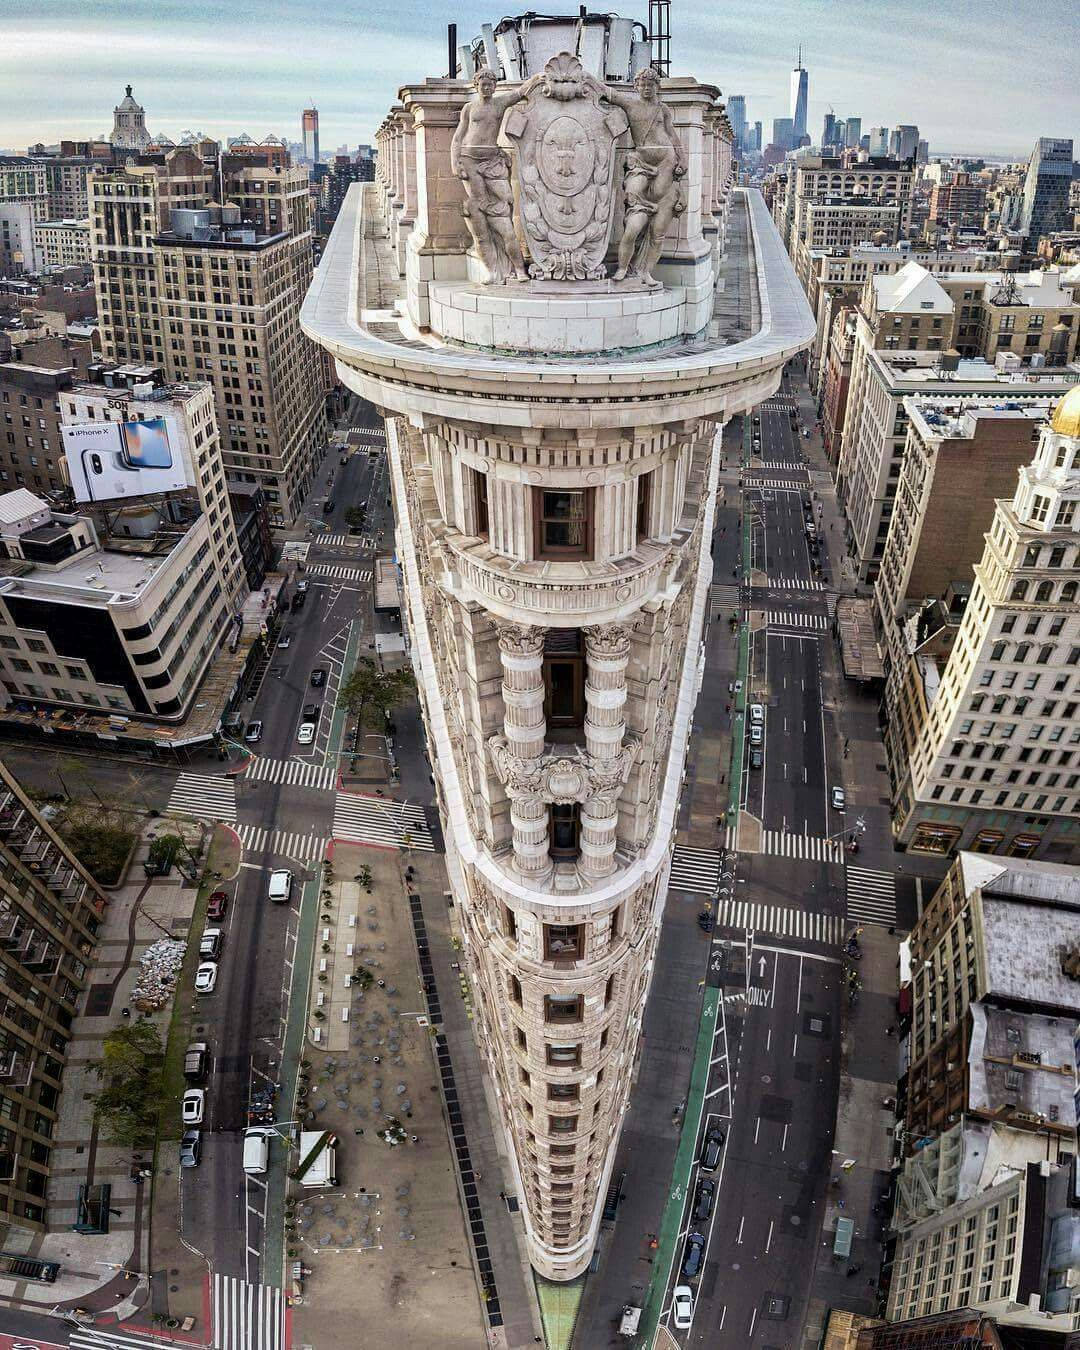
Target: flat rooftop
column 1017, row 1059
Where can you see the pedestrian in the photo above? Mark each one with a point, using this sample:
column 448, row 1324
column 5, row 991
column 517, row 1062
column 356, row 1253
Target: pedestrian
column 479, row 1176
column 890, row 1031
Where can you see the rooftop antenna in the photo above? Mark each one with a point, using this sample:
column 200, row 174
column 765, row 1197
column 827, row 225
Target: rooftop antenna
column 660, row 35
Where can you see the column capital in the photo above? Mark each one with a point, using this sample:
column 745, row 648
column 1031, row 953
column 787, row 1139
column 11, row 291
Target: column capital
column 518, row 639
column 609, row 641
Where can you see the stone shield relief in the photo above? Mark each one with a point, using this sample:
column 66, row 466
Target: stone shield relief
column 565, row 145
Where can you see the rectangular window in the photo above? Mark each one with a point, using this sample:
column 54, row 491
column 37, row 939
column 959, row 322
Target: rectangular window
column 563, row 523
column 480, row 502
column 563, row 1056
column 564, row 1092
column 563, row 1008
column 644, row 505
column 564, row 679
column 515, row 990
column 562, row 1124
column 565, row 826
column 564, row 942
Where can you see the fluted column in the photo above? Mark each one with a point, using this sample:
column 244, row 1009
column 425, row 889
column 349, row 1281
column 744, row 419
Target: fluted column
column 521, row 650
column 607, row 652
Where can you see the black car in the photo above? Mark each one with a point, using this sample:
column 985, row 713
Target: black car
column 328, row 506
column 705, row 1199
column 298, row 600
column 318, row 677
column 712, row 1148
column 705, row 921
column 310, row 713
column 756, row 757
column 695, row 1255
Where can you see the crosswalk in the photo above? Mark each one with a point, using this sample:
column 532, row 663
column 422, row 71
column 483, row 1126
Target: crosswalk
column 367, row 435
column 794, row 584
column 724, row 594
column 247, row 1316
column 782, row 844
column 780, row 403
column 347, row 541
column 783, row 484
column 793, row 923
column 871, row 896
column 339, row 572
column 789, row 619
column 378, row 820
column 695, row 869
column 206, row 798
column 793, row 466
column 283, row 843
column 291, row 772
column 111, row 1338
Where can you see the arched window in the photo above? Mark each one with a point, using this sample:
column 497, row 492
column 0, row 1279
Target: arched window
column 1044, row 592
column 1068, row 593
column 1022, row 651
column 1019, row 591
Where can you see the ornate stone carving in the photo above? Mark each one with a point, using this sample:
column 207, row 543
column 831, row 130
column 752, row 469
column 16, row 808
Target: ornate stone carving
column 484, row 168
column 651, row 177
column 559, row 778
column 517, row 639
column 519, row 776
column 565, row 164
column 609, row 641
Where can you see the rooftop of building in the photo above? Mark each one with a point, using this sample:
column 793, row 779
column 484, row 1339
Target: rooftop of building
column 911, row 290
column 921, row 371
column 858, row 646
column 938, row 419
column 1021, row 1062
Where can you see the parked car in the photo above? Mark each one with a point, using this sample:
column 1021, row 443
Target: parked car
column 280, row 885
column 712, row 1148
column 206, row 977
column 757, row 759
column 328, row 506
column 193, row 1105
column 210, row 944
column 301, row 587
column 757, row 712
column 310, row 713
column 757, row 734
column 190, row 1148
column 318, row 677
column 305, row 733
column 298, row 600
column 682, row 1306
column 706, row 921
column 253, row 733
column 285, row 640
column 838, row 799
column 705, row 1199
column 217, row 905
column 196, row 1061
column 694, row 1256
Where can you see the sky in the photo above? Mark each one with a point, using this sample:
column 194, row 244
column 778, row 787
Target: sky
column 976, row 77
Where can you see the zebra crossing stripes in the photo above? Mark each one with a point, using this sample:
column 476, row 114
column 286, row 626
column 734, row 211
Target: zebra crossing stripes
column 794, row 467
column 286, row 843
column 291, row 772
column 247, row 1316
column 794, row 584
column 346, row 541
column 695, row 869
column 792, row 923
column 871, row 896
column 783, row 484
column 781, row 844
column 368, row 435
column 104, row 1338
column 781, row 403
column 724, row 594
column 378, row 820
column 788, row 619
column 339, row 572
column 206, row 798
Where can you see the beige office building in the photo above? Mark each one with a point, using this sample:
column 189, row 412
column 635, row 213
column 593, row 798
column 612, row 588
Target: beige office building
column 554, row 450
column 994, row 761
column 211, row 291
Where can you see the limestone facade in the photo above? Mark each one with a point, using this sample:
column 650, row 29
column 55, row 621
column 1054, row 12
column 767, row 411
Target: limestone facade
column 553, row 450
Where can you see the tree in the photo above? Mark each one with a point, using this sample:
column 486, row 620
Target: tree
column 132, row 1095
column 355, row 517
column 370, row 693
column 101, row 840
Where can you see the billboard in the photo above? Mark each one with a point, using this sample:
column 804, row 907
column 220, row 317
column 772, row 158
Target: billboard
column 107, row 460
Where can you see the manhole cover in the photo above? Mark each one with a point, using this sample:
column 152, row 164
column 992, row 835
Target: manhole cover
column 816, row 1024
column 796, row 1220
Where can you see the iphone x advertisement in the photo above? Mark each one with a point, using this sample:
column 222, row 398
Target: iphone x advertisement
column 107, row 460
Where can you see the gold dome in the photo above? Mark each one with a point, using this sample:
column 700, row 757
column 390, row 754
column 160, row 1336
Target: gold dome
column 1066, row 418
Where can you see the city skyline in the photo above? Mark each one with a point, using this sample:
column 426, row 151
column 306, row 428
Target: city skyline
column 980, row 104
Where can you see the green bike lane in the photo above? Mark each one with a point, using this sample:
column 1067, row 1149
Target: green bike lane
column 711, row 1006
column 294, row 1039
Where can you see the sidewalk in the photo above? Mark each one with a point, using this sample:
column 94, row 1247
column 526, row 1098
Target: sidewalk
column 93, row 1266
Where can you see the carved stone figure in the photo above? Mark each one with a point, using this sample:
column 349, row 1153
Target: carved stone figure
column 565, row 166
column 651, row 187
column 484, row 168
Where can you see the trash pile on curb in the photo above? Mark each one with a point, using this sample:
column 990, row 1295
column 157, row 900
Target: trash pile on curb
column 158, row 971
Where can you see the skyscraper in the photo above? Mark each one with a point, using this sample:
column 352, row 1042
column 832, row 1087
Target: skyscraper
column 129, row 124
column 879, row 142
column 736, row 110
column 1046, row 188
column 828, row 131
column 905, row 142
column 783, row 133
column 756, row 143
column 309, row 130
column 852, row 132
column 555, row 560
column 800, row 79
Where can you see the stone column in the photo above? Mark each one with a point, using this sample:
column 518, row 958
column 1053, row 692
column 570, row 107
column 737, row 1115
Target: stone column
column 521, row 650
column 607, row 652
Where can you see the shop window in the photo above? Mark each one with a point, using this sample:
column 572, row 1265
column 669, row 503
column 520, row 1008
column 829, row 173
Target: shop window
column 940, row 839
column 1024, row 845
column 563, row 523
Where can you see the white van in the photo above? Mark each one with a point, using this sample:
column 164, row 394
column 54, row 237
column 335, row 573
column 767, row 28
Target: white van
column 280, row 885
column 256, row 1150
